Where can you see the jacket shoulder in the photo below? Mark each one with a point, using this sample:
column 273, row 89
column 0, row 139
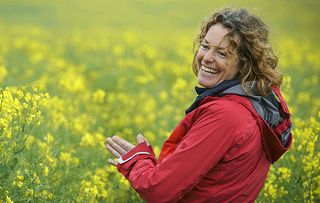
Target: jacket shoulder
column 229, row 107
column 226, row 103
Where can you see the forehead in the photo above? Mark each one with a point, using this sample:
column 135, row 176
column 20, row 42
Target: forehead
column 215, row 35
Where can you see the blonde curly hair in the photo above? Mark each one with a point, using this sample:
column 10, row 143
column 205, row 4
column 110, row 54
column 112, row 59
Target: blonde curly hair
column 248, row 38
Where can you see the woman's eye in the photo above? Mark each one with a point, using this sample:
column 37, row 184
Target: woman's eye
column 204, row 46
column 221, row 53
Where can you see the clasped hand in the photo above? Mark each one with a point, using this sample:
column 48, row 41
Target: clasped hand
column 118, row 147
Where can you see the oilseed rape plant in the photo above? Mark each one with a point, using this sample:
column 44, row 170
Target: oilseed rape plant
column 62, row 94
column 20, row 112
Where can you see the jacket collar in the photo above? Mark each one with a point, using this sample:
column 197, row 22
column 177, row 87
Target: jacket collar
column 204, row 92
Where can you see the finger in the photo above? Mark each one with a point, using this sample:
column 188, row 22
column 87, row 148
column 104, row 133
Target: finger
column 116, row 147
column 112, row 162
column 123, row 143
column 140, row 138
column 147, row 142
column 113, row 151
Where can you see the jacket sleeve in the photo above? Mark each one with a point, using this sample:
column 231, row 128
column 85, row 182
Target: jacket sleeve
column 206, row 142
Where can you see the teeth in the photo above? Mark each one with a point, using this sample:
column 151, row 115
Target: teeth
column 209, row 70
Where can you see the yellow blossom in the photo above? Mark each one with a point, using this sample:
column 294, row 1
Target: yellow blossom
column 46, row 171
column 98, row 96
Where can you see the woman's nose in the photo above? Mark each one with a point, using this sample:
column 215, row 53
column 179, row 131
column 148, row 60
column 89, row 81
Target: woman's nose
column 208, row 57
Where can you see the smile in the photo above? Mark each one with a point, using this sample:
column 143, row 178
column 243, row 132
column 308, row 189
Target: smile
column 209, row 70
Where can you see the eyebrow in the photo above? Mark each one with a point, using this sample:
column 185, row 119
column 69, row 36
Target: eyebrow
column 217, row 47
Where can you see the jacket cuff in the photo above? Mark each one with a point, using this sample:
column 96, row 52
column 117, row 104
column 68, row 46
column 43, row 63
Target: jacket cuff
column 127, row 161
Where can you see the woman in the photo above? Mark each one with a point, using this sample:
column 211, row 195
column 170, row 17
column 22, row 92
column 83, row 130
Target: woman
column 222, row 149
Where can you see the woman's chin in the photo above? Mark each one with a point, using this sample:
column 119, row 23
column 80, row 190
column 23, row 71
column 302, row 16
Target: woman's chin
column 207, row 84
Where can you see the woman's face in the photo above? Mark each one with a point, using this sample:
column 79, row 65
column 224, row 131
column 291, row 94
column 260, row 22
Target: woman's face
column 214, row 63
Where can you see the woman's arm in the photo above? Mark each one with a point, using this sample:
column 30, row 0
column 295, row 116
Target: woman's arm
column 203, row 146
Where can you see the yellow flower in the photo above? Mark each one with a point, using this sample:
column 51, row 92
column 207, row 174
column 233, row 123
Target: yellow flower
column 163, row 95
column 156, row 150
column 46, row 171
column 49, row 138
column 36, row 178
column 88, row 140
column 8, row 199
column 284, row 173
column 98, row 96
column 67, row 158
column 179, row 86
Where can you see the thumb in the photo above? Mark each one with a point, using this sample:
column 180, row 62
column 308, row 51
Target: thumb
column 147, row 142
column 140, row 138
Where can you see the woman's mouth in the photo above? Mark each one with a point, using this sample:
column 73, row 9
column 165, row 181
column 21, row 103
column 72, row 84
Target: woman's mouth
column 209, row 70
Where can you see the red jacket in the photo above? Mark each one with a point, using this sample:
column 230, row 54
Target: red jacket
column 219, row 158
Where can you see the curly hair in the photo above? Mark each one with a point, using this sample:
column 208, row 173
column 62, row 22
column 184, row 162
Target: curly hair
column 248, row 38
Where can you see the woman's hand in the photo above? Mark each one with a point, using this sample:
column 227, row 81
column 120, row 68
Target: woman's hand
column 119, row 147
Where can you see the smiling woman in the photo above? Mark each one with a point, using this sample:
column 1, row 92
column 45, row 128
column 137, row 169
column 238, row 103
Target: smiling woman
column 239, row 124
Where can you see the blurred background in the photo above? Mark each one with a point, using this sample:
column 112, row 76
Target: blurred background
column 286, row 18
column 75, row 72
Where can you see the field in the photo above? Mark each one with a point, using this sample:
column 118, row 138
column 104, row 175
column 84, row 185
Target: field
column 75, row 72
